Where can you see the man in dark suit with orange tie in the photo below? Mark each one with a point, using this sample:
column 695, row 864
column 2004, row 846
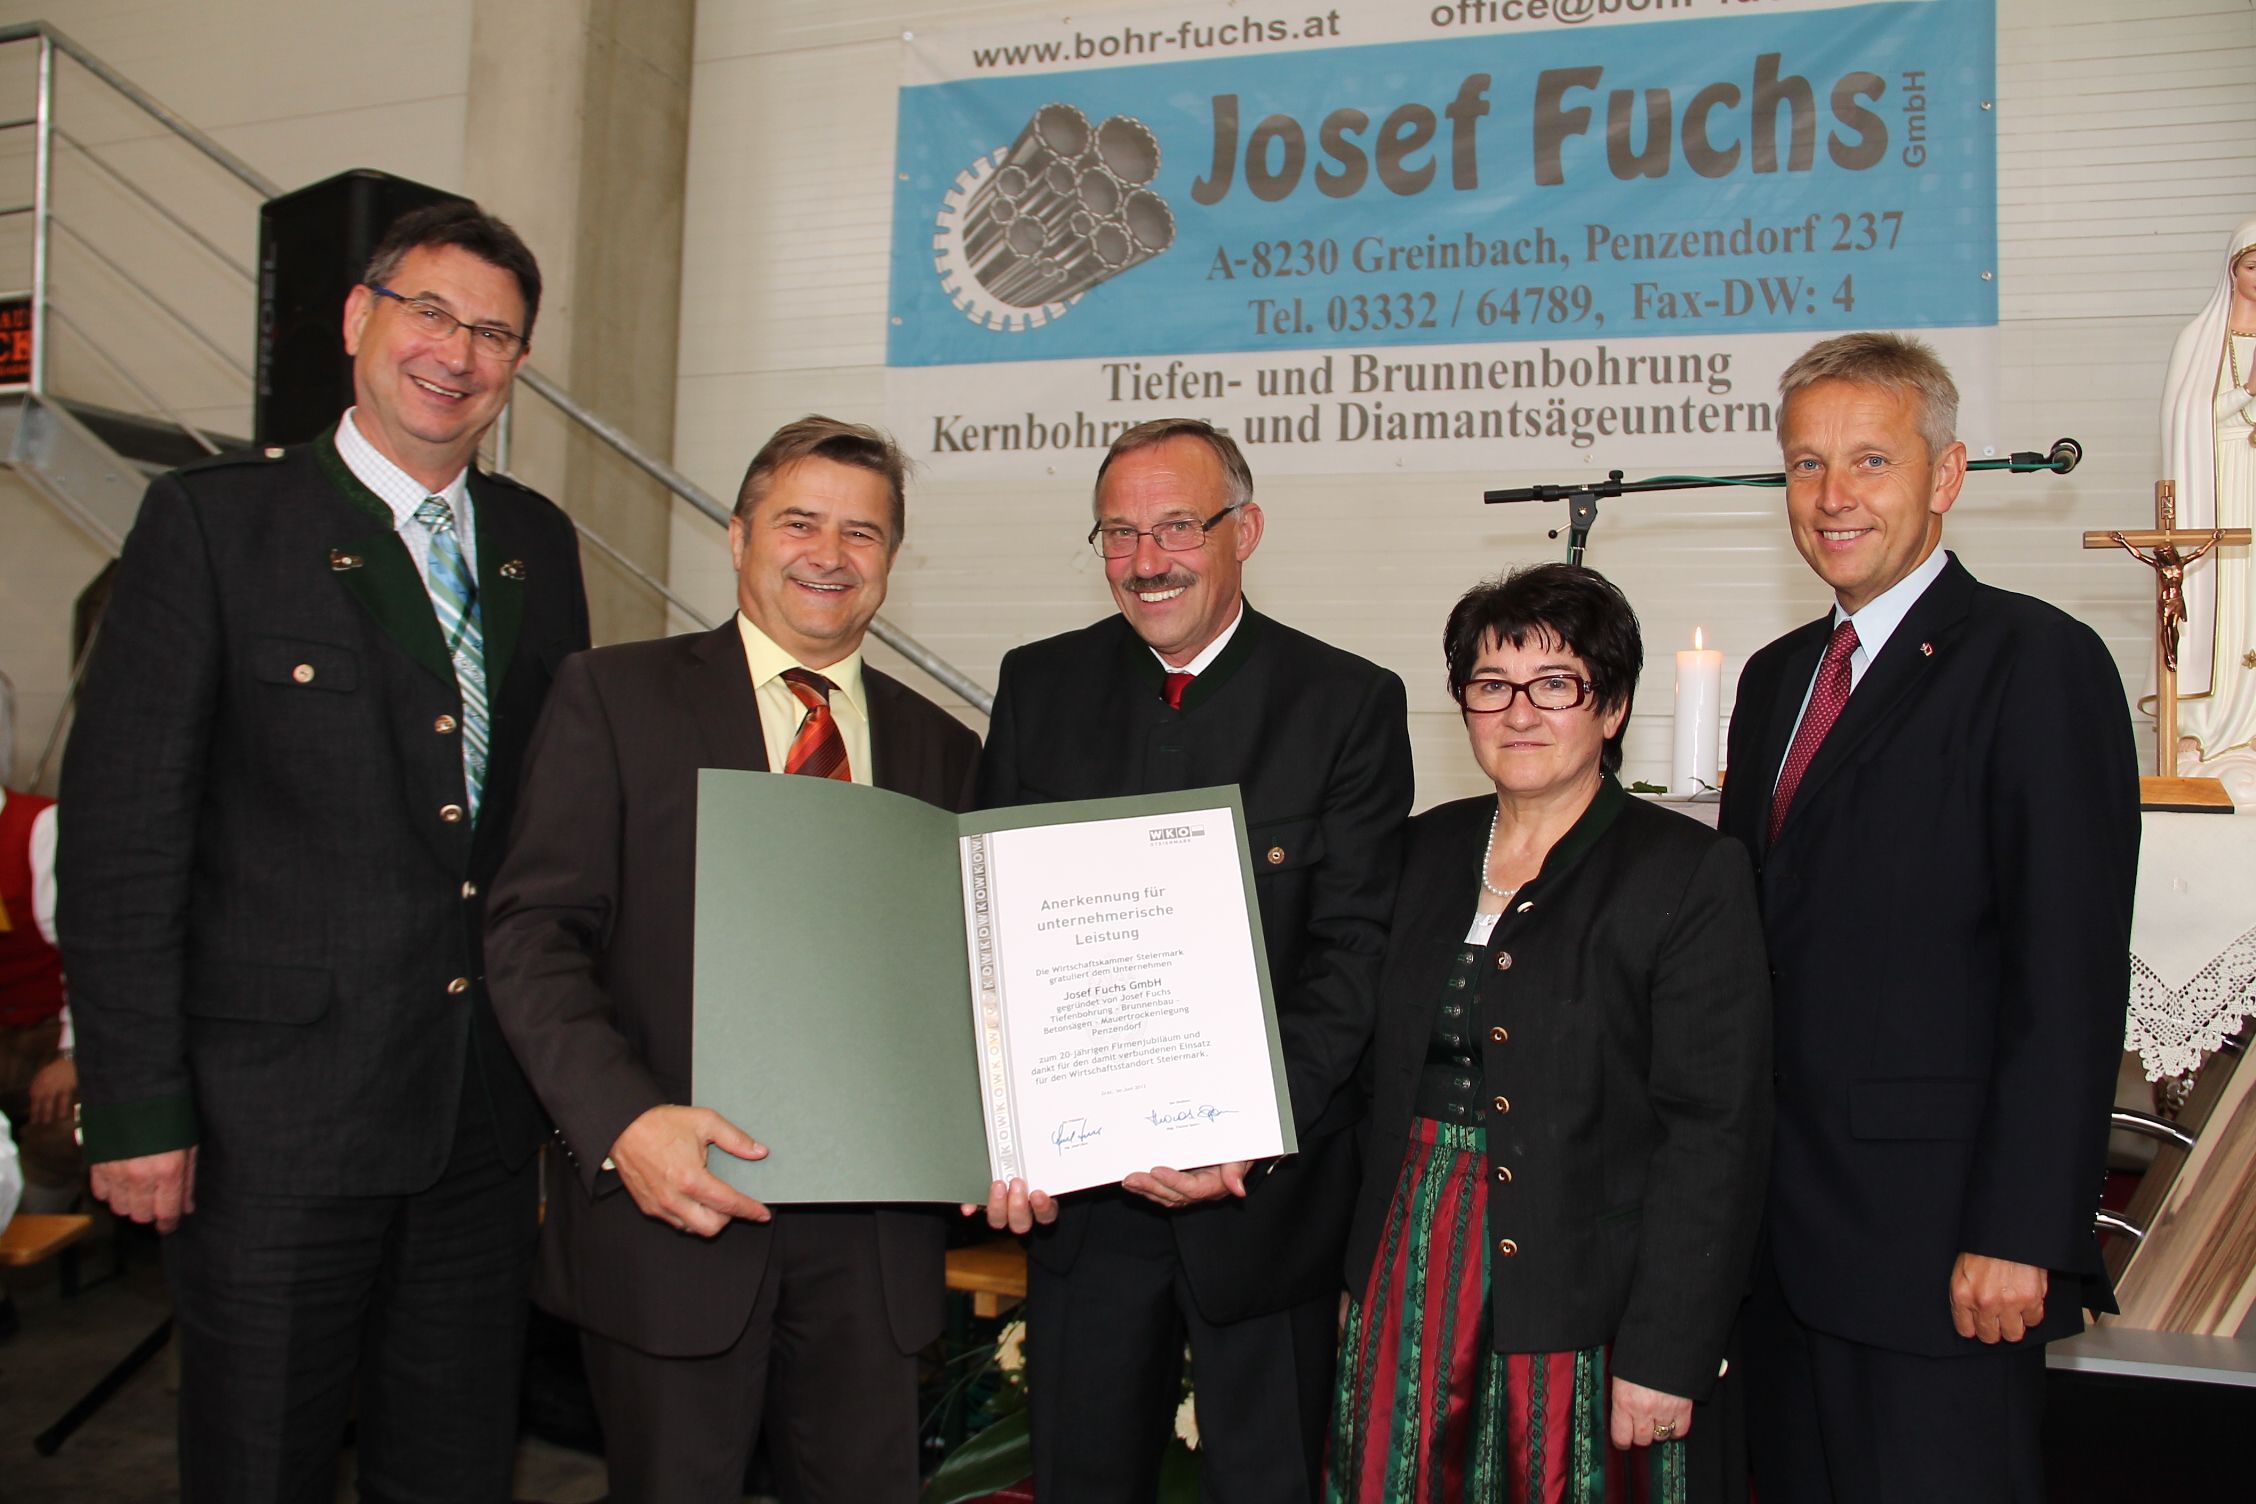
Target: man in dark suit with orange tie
column 706, row 1315
column 1938, row 785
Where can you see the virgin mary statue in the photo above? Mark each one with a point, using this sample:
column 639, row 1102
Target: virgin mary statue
column 2209, row 449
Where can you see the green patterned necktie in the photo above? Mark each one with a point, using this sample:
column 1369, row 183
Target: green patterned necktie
column 454, row 596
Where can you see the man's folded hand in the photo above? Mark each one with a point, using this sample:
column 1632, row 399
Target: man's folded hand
column 1996, row 1299
column 159, row 1188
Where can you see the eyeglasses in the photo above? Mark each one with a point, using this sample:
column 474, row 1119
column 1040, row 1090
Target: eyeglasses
column 1551, row 692
column 436, row 322
column 1177, row 537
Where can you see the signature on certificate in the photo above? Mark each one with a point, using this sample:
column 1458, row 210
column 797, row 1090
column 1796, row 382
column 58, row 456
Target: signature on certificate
column 1073, row 1133
column 1183, row 1115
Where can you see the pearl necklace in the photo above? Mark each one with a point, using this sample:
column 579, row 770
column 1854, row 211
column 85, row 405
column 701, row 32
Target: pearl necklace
column 1490, row 851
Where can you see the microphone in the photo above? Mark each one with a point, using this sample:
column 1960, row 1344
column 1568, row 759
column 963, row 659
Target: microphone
column 2065, row 456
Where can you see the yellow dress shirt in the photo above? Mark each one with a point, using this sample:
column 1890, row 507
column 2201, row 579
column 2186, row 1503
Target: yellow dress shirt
column 781, row 713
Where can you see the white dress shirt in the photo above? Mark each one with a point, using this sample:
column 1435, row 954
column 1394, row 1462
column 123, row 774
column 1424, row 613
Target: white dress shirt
column 1876, row 622
column 1207, row 654
column 403, row 493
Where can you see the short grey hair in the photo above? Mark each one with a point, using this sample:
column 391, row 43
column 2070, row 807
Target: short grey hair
column 1892, row 362
column 1237, row 476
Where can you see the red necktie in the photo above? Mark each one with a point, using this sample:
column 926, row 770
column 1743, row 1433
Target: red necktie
column 1827, row 696
column 1176, row 684
column 818, row 751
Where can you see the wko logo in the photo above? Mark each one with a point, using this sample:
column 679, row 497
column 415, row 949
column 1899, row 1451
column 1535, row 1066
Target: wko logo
column 1175, row 835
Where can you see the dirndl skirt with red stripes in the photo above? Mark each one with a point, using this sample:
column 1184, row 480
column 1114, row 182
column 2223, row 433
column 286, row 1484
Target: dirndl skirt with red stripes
column 1427, row 1411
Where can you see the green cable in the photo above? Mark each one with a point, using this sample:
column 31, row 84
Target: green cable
column 1725, row 480
column 1715, row 480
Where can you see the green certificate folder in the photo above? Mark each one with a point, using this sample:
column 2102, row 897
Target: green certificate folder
column 1124, row 1006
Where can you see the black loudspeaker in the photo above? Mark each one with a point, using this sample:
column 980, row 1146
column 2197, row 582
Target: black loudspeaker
column 313, row 246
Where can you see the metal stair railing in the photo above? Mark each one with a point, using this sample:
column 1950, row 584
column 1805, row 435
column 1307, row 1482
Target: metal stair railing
column 52, row 40
column 46, row 314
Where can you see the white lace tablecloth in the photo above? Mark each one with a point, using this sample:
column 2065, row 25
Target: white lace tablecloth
column 2193, row 939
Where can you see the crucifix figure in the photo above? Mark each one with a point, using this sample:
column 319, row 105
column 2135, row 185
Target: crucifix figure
column 2168, row 550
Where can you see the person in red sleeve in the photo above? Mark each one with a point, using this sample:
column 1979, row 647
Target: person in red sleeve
column 38, row 1077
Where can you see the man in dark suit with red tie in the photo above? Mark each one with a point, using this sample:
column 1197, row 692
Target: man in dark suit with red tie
column 1188, row 687
column 1938, row 785
column 704, row 1314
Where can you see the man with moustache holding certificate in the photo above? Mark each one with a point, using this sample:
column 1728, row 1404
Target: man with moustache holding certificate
column 1937, row 782
column 705, row 1315
column 1190, row 687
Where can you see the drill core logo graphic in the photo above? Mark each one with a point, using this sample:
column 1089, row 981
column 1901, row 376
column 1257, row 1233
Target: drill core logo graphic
column 1032, row 226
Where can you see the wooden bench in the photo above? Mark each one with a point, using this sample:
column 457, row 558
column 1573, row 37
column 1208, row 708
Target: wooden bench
column 32, row 1238
column 994, row 1274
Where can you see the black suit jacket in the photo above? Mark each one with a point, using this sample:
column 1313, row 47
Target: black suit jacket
column 1948, row 910
column 1636, row 1011
column 1316, row 741
column 264, row 907
column 589, row 947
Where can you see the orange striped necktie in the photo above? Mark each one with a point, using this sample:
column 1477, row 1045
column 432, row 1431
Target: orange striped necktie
column 819, row 750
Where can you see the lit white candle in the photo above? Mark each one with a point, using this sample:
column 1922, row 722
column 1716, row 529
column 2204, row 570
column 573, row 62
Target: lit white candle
column 1699, row 717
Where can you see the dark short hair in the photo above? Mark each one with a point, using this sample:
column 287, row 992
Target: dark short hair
column 465, row 226
column 1581, row 608
column 818, row 437
column 1237, row 475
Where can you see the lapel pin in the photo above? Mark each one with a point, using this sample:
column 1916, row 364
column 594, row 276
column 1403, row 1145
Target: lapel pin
column 1926, row 650
column 340, row 560
column 513, row 570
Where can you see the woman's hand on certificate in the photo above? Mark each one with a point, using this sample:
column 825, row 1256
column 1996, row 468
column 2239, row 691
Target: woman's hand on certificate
column 1014, row 1208
column 1184, row 1187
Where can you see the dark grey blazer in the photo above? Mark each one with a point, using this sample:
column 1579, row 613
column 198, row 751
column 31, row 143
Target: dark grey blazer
column 1636, row 1061
column 264, row 907
column 589, row 947
column 1316, row 741
column 1949, row 915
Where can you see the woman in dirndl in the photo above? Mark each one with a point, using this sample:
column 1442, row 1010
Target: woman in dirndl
column 1570, row 1118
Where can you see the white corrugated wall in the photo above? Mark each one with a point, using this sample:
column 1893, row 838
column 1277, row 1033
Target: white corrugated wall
column 2127, row 150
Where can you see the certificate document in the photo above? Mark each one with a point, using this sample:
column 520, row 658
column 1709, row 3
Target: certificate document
column 905, row 1004
column 1116, row 964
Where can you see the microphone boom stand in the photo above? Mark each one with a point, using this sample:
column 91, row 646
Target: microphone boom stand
column 1582, row 500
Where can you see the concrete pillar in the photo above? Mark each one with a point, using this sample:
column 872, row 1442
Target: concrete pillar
column 577, row 133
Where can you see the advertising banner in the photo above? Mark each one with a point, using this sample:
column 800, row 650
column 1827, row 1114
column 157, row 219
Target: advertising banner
column 1383, row 235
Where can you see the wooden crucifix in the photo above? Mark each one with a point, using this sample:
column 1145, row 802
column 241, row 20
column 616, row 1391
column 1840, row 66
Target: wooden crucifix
column 2169, row 551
